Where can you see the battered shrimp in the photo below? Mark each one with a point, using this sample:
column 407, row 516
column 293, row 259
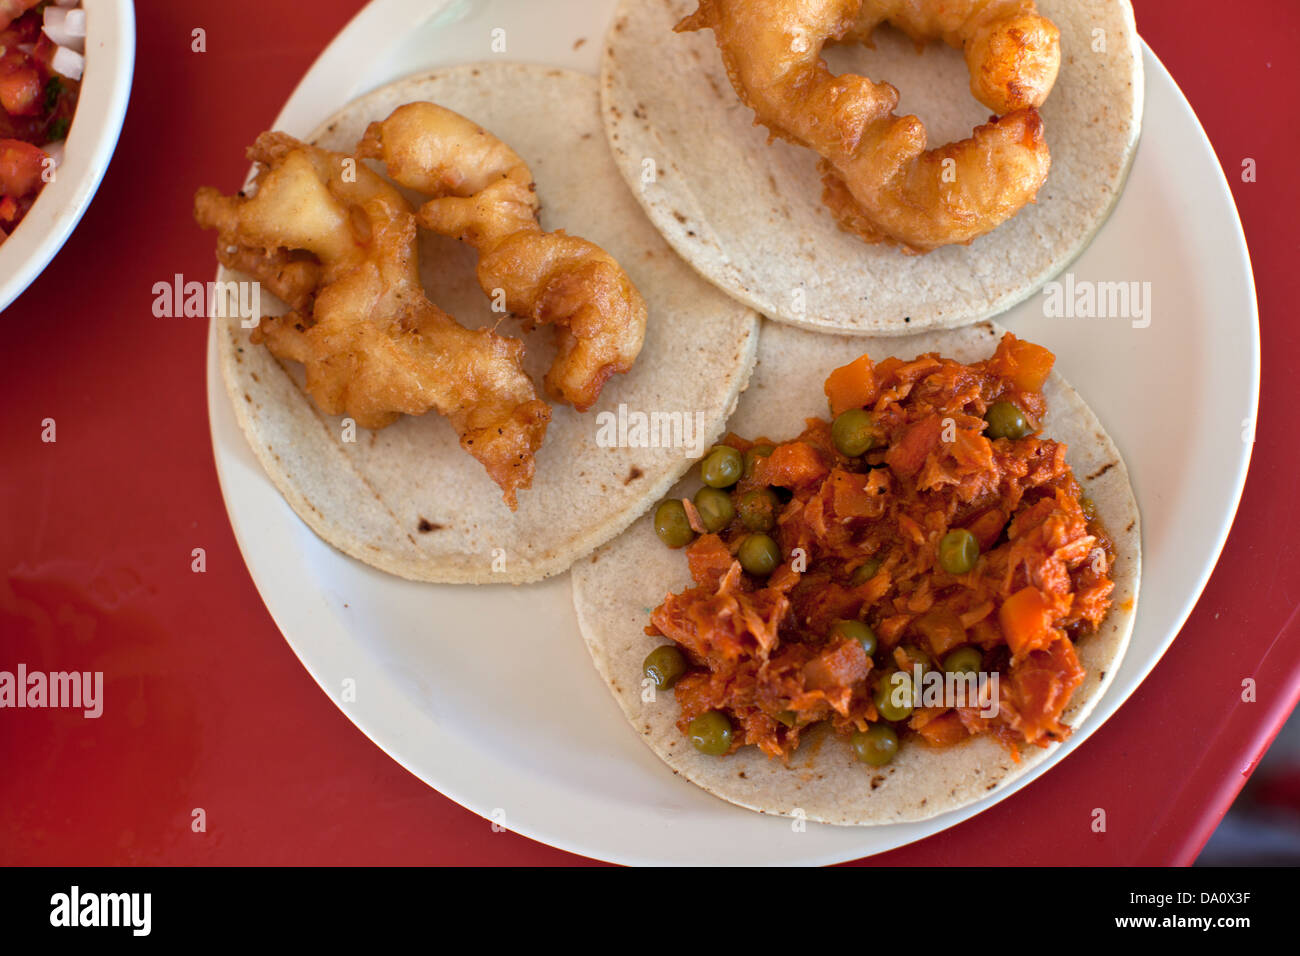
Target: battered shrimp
column 373, row 346
column 881, row 182
column 483, row 193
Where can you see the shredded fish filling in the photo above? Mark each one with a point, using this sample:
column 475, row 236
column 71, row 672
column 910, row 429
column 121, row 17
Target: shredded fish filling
column 867, row 538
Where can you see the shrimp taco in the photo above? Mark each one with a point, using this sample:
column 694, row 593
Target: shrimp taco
column 767, row 141
column 387, row 388
column 879, row 600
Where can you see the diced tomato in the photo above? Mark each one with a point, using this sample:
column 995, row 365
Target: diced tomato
column 708, row 559
column 20, row 91
column 20, row 168
column 838, row 666
column 1041, row 687
column 852, row 386
column 908, row 455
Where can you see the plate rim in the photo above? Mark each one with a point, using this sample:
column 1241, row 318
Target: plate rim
column 1114, row 698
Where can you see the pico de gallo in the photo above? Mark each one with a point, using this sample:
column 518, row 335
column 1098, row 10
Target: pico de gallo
column 927, row 526
column 41, row 64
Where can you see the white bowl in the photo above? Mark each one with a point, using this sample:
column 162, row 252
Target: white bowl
column 92, row 137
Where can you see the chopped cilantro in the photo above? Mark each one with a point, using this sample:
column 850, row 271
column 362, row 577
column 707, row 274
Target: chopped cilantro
column 53, row 90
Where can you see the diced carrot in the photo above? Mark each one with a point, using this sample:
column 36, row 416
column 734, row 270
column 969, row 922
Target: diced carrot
column 795, row 464
column 1026, row 619
column 944, row 730
column 851, row 386
column 987, row 528
column 1026, row 364
column 850, row 495
column 942, row 630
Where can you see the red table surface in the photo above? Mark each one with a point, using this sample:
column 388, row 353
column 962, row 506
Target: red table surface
column 210, row 708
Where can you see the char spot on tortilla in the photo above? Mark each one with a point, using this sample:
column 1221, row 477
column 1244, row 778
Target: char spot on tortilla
column 633, row 475
column 425, row 526
column 1101, row 471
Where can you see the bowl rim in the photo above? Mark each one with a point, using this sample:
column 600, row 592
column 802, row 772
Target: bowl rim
column 92, row 139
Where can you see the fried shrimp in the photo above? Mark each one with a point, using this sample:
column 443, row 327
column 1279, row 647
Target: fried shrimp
column 483, row 193
column 337, row 242
column 1013, row 53
column 881, row 181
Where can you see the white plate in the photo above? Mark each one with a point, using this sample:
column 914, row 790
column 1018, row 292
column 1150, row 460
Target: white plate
column 92, row 137
column 488, row 694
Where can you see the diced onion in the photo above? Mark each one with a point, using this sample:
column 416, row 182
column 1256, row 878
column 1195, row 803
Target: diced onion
column 66, row 27
column 67, row 62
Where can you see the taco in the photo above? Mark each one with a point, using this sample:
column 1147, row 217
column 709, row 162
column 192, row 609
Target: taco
column 405, row 498
column 746, row 209
column 895, row 610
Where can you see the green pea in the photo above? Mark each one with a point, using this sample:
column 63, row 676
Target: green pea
column 754, row 454
column 895, row 696
column 757, row 509
column 715, row 508
column 758, row 554
column 856, row 631
column 710, row 733
column 876, row 745
column 1006, row 421
column 964, row 660
column 958, row 551
column 867, row 571
column 672, row 525
column 664, row 665
column 851, row 432
column 722, row 467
